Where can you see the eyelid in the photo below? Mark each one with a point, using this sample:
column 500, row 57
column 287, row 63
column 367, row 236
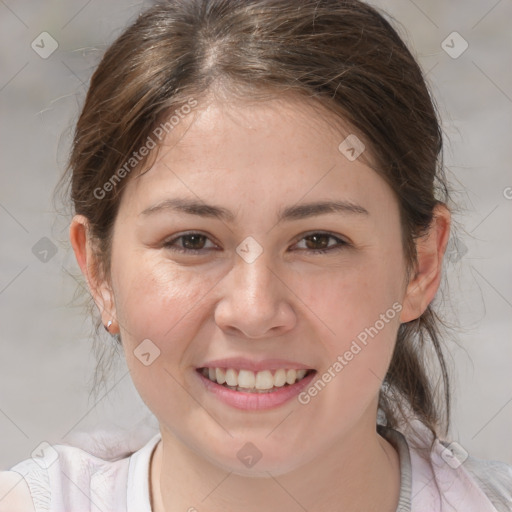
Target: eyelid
column 341, row 242
column 340, row 238
column 168, row 242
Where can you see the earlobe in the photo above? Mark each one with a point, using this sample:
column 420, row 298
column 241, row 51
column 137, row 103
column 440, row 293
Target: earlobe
column 81, row 241
column 430, row 249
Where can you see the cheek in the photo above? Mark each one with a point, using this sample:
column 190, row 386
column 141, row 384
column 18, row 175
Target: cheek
column 358, row 314
column 156, row 300
column 158, row 310
column 347, row 301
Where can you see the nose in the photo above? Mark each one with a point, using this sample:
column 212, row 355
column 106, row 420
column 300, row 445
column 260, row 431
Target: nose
column 255, row 301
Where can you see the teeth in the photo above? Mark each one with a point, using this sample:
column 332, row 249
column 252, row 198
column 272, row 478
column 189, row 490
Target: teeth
column 231, row 377
column 280, row 378
column 263, row 380
column 245, row 379
column 291, row 375
column 220, row 376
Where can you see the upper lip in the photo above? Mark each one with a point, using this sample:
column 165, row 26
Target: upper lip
column 242, row 363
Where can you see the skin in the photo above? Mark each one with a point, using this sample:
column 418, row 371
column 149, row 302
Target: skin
column 290, row 303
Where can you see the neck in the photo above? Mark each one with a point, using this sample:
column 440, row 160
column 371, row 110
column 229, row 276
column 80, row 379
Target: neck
column 360, row 472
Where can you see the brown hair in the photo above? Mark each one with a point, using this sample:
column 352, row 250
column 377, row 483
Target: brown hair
column 340, row 54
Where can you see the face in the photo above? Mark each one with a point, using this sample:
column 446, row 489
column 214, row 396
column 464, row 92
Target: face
column 260, row 280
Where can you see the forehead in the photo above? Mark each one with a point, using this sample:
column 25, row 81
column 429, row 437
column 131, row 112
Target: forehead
column 256, row 154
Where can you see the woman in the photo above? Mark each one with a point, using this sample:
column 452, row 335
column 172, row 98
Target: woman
column 261, row 218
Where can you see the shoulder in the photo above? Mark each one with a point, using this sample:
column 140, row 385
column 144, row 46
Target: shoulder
column 473, row 477
column 14, row 493
column 495, row 480
column 445, row 476
column 63, row 477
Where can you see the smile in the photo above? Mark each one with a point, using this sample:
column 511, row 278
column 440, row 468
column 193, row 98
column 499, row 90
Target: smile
column 248, row 390
column 256, row 382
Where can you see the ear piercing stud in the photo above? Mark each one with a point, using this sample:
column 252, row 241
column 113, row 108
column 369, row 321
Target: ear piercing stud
column 107, row 327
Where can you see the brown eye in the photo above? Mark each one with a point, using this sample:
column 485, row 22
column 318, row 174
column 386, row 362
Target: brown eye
column 319, row 243
column 192, row 243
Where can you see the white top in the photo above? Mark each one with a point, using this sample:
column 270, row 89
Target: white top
column 62, row 478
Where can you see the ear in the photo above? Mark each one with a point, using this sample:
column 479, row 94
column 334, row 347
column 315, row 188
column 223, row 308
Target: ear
column 86, row 256
column 430, row 249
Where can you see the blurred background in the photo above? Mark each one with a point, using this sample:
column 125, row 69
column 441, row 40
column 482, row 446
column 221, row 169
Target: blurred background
column 49, row 51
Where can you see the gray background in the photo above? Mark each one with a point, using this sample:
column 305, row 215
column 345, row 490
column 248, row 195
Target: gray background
column 46, row 359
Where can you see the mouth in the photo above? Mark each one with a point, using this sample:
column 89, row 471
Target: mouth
column 248, row 381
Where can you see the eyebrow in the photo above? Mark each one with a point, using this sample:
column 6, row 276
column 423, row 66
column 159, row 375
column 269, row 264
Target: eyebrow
column 294, row 212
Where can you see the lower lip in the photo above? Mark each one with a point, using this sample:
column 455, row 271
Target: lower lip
column 256, row 401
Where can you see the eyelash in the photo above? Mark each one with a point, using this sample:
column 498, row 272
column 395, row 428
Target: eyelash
column 340, row 243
